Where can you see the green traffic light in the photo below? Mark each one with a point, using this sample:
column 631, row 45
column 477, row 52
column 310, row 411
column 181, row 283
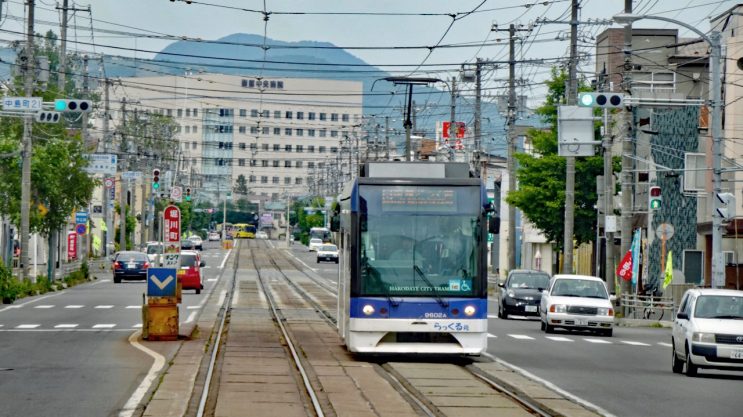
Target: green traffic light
column 586, row 100
column 155, row 185
column 654, row 204
column 60, row 105
column 188, row 198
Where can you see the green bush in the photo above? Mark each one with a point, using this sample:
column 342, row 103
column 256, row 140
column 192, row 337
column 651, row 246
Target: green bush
column 9, row 286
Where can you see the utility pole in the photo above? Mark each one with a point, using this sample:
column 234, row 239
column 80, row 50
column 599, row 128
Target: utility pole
column 408, row 124
column 572, row 95
column 453, row 111
column 386, row 138
column 478, row 113
column 124, row 167
column 106, row 192
column 63, row 50
column 608, row 201
column 29, row 72
column 627, row 150
column 84, row 133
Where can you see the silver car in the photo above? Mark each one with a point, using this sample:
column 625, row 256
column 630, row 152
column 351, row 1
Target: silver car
column 577, row 302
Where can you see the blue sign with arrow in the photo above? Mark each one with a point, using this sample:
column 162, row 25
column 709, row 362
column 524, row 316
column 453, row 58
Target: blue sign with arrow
column 161, row 282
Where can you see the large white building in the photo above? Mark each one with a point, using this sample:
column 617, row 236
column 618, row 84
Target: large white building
column 279, row 133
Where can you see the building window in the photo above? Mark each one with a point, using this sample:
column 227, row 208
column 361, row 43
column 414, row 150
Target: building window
column 195, row 129
column 300, row 132
column 264, row 146
column 333, row 133
column 300, row 115
column 170, row 112
column 288, row 115
column 180, row 112
column 253, row 162
column 311, row 148
column 300, row 148
column 242, row 146
column 243, row 113
column 253, row 146
column 188, row 112
column 298, row 164
column 264, row 179
column 277, row 114
column 311, row 115
column 188, row 129
column 254, row 113
column 241, row 162
column 321, row 149
column 275, row 164
column 333, row 149
column 276, row 130
column 333, row 117
column 266, row 114
column 298, row 181
column 265, row 130
column 310, row 165
column 194, row 144
column 321, row 165
column 264, row 163
column 195, row 112
column 251, row 179
column 241, row 129
column 276, row 147
column 275, row 180
column 287, row 164
column 323, row 117
column 323, row 133
column 288, row 148
column 288, row 131
column 254, row 130
column 654, row 81
column 287, row 180
column 311, row 132
column 344, row 117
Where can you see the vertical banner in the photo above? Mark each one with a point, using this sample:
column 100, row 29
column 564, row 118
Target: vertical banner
column 635, row 248
column 71, row 246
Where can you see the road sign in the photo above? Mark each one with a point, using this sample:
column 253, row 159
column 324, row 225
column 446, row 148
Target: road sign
column 575, row 136
column 102, row 163
column 22, row 103
column 80, row 229
column 109, row 182
column 172, row 229
column 176, row 193
column 131, row 175
column 81, row 217
column 172, row 260
column 161, row 282
column 665, row 231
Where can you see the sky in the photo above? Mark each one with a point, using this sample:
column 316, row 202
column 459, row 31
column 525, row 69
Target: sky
column 373, row 26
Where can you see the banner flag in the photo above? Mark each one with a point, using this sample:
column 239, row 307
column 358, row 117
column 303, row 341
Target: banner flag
column 624, row 270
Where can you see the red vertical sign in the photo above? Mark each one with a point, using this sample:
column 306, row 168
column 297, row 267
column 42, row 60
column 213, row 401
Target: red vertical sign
column 71, row 246
column 172, row 229
column 459, row 128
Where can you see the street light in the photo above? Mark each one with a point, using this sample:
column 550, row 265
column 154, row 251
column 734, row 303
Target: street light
column 718, row 272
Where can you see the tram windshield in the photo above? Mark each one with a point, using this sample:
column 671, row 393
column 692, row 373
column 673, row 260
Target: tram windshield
column 419, row 241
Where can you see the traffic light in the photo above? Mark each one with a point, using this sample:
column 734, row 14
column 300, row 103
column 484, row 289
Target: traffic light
column 655, row 198
column 727, row 212
column 188, row 193
column 602, row 100
column 156, row 178
column 73, row 105
column 47, row 117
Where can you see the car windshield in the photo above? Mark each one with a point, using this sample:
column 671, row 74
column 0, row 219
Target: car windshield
column 328, row 248
column 151, row 249
column 579, row 288
column 188, row 259
column 315, row 241
column 528, row 280
column 132, row 256
column 719, row 307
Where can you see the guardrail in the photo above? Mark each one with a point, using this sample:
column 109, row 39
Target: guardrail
column 647, row 307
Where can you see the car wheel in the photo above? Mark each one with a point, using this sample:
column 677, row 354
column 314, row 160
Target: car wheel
column 198, row 290
column 542, row 327
column 318, row 261
column 504, row 314
column 336, row 261
column 548, row 328
column 676, row 364
column 691, row 369
column 607, row 333
column 117, row 280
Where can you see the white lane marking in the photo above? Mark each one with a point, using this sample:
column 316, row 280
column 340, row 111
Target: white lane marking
column 235, row 297
column 193, row 307
column 74, row 306
column 227, row 255
column 137, row 326
column 521, row 336
column 205, row 267
column 131, row 405
column 211, row 279
column 32, row 301
column 104, row 306
column 27, row 326
column 104, row 326
column 597, row 341
column 105, row 280
column 302, row 262
column 633, row 343
column 191, row 317
column 665, row 344
column 2, row 325
column 551, row 386
column 45, row 306
column 492, row 316
column 221, row 298
column 492, row 335
column 65, row 326
column 133, row 307
column 559, row 339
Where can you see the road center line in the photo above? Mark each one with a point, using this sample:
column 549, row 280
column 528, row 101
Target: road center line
column 227, row 255
column 159, row 361
column 191, row 317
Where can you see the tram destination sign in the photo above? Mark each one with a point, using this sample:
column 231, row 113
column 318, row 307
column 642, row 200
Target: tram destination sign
column 419, row 199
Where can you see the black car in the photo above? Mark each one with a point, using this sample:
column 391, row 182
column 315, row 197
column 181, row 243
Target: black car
column 521, row 293
column 187, row 244
column 130, row 265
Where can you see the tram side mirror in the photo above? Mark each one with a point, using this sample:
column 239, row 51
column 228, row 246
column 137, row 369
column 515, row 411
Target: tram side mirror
column 489, row 207
column 494, row 225
column 335, row 218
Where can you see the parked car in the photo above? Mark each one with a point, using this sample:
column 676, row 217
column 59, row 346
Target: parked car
column 327, row 252
column 130, row 265
column 314, row 244
column 708, row 331
column 213, row 237
column 521, row 293
column 190, row 271
column 577, row 302
column 197, row 242
column 187, row 244
column 261, row 235
column 154, row 250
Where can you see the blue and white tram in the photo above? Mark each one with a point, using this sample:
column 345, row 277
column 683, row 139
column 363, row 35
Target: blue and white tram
column 413, row 273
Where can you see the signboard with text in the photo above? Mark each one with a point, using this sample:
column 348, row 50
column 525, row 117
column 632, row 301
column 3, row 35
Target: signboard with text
column 22, row 103
column 71, row 246
column 102, row 163
column 172, row 229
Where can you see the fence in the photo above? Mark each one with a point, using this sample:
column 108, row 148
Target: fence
column 647, row 307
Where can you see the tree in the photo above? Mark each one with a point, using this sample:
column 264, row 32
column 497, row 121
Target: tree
column 541, row 176
column 241, row 185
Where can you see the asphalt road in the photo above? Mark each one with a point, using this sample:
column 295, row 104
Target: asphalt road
column 67, row 353
column 628, row 374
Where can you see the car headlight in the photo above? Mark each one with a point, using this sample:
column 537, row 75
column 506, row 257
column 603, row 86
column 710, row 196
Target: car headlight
column 558, row 308
column 512, row 294
column 469, row 311
column 605, row 311
column 703, row 337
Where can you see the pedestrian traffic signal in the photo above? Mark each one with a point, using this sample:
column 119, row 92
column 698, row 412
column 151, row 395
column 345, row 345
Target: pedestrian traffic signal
column 47, row 117
column 655, row 198
column 188, row 193
column 73, row 105
column 727, row 211
column 602, row 100
column 155, row 178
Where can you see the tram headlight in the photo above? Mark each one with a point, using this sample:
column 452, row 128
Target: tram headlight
column 469, row 310
column 368, row 309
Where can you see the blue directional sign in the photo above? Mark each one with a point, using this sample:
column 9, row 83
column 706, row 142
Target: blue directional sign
column 81, row 217
column 161, row 282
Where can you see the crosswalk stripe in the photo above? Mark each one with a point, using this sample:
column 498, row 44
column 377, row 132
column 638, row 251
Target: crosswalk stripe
column 104, row 306
column 492, row 316
column 104, row 326
column 74, row 306
column 65, row 326
column 665, row 344
column 27, row 326
column 633, row 343
column 492, row 335
column 45, row 306
column 521, row 336
column 192, row 307
column 559, row 339
column 137, row 326
column 133, row 307
column 597, row 341
column 211, row 279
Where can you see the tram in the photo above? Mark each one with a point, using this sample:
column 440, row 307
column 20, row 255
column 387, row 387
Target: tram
column 413, row 265
column 244, row 231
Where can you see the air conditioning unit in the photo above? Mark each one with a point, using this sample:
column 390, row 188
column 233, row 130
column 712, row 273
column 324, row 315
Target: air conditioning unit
column 729, row 257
